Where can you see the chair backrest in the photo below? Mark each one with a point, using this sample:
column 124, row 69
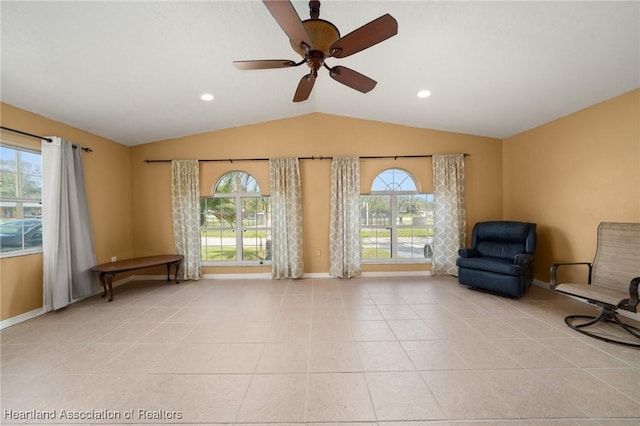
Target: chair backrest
column 503, row 239
column 617, row 259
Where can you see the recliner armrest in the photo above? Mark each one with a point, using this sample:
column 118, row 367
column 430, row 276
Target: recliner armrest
column 468, row 252
column 554, row 269
column 523, row 258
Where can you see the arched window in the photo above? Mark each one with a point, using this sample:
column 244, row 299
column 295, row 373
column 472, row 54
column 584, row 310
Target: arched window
column 235, row 223
column 236, row 182
column 394, row 180
column 396, row 220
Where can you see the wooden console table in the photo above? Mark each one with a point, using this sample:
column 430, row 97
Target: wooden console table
column 108, row 270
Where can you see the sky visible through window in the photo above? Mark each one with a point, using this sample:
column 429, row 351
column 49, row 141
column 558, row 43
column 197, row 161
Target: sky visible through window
column 237, row 182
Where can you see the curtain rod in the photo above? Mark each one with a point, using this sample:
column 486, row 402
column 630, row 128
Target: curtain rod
column 231, row 160
column 31, row 135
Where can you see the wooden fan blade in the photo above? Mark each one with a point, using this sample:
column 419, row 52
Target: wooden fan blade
column 352, row 78
column 366, row 36
column 287, row 17
column 263, row 64
column 304, row 88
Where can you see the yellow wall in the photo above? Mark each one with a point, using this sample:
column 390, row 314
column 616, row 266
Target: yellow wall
column 20, row 285
column 108, row 183
column 304, row 136
column 567, row 176
column 573, row 173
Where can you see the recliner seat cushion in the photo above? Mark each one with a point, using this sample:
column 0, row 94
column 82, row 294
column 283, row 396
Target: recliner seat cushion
column 490, row 264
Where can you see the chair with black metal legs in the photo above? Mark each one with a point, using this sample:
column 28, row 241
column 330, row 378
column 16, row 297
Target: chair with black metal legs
column 612, row 284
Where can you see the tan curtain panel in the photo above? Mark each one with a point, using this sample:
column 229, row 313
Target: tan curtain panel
column 286, row 218
column 450, row 225
column 185, row 209
column 344, row 222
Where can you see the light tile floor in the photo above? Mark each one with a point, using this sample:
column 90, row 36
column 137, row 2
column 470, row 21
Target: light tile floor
column 371, row 351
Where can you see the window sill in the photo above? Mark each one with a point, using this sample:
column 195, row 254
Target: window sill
column 18, row 253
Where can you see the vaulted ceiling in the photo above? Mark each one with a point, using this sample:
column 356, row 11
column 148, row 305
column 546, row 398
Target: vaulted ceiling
column 133, row 71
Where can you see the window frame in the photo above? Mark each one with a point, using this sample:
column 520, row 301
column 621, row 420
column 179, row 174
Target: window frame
column 238, row 198
column 22, row 202
column 393, row 227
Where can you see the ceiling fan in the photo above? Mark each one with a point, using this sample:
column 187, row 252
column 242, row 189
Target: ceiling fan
column 316, row 40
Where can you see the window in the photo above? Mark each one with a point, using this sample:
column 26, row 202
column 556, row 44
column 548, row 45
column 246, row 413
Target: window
column 235, row 224
column 20, row 201
column 396, row 222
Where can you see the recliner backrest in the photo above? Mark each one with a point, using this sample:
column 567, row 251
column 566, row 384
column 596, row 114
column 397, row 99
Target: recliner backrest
column 503, row 239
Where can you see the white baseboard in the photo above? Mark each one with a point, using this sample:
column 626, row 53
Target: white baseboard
column 398, row 274
column 254, row 276
column 20, row 318
column 318, row 275
column 541, row 284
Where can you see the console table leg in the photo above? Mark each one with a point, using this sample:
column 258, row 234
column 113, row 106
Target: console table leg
column 178, row 263
column 110, row 284
column 104, row 284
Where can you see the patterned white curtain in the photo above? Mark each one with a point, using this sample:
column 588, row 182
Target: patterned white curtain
column 185, row 208
column 450, row 225
column 344, row 219
column 286, row 218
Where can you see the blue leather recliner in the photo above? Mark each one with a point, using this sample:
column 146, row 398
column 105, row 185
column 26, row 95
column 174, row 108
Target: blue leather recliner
column 500, row 259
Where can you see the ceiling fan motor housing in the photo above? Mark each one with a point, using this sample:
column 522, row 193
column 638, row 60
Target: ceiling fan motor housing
column 322, row 35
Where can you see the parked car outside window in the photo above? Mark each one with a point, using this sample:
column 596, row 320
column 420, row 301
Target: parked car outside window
column 20, row 234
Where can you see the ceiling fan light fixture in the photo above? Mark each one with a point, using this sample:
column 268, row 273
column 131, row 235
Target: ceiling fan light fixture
column 424, row 93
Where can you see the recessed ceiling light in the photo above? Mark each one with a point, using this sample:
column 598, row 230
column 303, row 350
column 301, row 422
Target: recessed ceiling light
column 206, row 97
column 424, row 94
